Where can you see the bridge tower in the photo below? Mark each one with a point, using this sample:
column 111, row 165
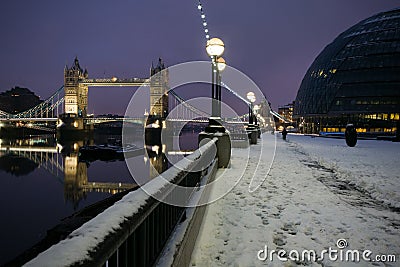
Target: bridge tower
column 76, row 94
column 159, row 90
column 156, row 120
column 76, row 97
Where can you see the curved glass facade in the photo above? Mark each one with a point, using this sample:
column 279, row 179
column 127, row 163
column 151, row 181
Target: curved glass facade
column 355, row 79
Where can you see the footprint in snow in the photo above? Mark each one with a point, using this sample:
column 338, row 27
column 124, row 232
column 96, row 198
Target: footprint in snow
column 279, row 240
column 290, row 228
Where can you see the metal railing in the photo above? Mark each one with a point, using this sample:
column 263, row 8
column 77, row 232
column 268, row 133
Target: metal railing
column 139, row 237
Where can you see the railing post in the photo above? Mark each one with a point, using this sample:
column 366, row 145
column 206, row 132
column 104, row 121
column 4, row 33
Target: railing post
column 113, row 261
column 142, row 248
column 123, row 255
column 131, row 250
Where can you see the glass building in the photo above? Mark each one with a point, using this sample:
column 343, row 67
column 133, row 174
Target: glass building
column 355, row 79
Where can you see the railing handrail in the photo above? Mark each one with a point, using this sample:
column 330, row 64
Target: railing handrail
column 95, row 241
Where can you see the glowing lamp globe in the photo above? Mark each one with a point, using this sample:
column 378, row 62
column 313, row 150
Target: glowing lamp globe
column 215, row 47
column 251, row 97
column 221, row 64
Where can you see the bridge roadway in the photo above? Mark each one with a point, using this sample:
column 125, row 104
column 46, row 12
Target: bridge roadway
column 52, row 150
column 29, row 119
column 134, row 82
column 102, row 120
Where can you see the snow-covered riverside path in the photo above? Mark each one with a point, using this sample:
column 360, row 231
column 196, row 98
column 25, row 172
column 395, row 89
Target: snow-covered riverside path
column 318, row 191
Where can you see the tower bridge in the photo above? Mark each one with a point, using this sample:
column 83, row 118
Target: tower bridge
column 77, row 83
column 68, row 106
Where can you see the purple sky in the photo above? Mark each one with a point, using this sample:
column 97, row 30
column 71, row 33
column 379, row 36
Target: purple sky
column 274, row 42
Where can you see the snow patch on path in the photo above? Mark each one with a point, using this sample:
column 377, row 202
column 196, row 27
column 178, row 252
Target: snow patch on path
column 295, row 209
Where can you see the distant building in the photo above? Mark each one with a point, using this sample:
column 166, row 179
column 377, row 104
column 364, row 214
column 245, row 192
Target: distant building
column 18, row 100
column 355, row 79
column 286, row 111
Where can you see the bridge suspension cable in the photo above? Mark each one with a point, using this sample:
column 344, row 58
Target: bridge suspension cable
column 48, row 107
column 197, row 112
column 280, row 117
column 235, row 94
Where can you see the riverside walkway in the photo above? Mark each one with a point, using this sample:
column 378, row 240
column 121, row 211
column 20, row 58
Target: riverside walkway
column 309, row 200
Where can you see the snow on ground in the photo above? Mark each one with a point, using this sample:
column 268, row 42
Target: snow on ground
column 372, row 166
column 317, row 192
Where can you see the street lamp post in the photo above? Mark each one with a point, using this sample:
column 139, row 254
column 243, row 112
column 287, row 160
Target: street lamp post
column 256, row 108
column 215, row 48
column 252, row 130
column 252, row 98
column 221, row 64
column 257, row 117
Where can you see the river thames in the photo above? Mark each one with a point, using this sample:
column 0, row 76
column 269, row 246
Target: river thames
column 43, row 182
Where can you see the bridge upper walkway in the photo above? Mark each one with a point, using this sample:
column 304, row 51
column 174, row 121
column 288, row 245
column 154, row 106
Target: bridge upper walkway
column 134, row 82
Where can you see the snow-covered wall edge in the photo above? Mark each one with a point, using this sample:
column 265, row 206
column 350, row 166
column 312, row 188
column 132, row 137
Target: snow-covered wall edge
column 82, row 242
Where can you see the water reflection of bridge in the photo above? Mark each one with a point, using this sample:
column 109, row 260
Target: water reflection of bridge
column 67, row 167
column 48, row 158
column 107, row 187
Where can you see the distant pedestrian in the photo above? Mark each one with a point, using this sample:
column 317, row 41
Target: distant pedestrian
column 284, row 133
